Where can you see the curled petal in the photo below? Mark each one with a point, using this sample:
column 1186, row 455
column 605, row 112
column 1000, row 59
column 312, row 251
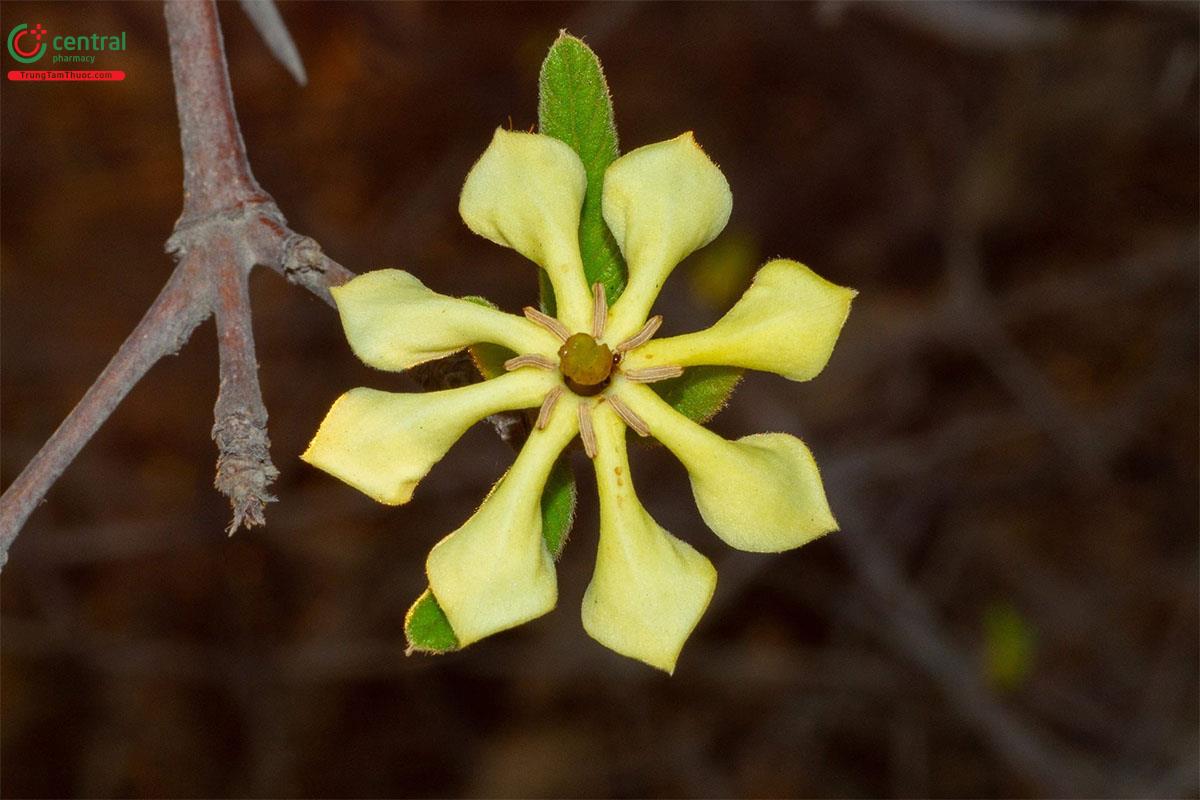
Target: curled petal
column 762, row 493
column 649, row 589
column 526, row 192
column 494, row 572
column 383, row 443
column 787, row 323
column 661, row 202
column 393, row 322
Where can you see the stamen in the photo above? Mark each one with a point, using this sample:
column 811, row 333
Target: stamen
column 641, row 337
column 599, row 310
column 529, row 360
column 548, row 322
column 626, row 413
column 652, row 374
column 543, row 417
column 586, row 432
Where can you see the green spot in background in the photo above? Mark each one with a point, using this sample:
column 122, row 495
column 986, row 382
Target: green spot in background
column 1008, row 642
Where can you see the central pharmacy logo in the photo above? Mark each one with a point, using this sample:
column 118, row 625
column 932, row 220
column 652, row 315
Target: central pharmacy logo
column 25, row 44
column 28, row 44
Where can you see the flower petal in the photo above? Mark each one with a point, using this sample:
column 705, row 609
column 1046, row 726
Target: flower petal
column 393, row 322
column 762, row 493
column 649, row 589
column 383, row 443
column 526, row 192
column 494, row 572
column 661, row 202
column 787, row 323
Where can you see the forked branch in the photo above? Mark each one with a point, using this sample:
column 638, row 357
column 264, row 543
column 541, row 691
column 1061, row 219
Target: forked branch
column 228, row 226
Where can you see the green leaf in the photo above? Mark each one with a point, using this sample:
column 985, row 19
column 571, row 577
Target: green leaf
column 700, row 392
column 480, row 300
column 489, row 358
column 574, row 106
column 426, row 627
column 558, row 506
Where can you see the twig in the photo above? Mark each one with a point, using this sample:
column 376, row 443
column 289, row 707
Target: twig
column 228, row 226
column 244, row 468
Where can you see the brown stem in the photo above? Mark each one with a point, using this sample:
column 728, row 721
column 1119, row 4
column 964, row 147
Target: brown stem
column 216, row 172
column 222, row 204
column 228, row 225
column 244, row 468
column 298, row 258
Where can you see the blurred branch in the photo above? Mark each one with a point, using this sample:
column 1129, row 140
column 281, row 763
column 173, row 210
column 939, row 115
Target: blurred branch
column 228, row 226
column 989, row 26
column 916, row 632
column 981, row 325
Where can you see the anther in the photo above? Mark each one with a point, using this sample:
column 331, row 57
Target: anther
column 599, row 310
column 529, row 360
column 626, row 413
column 644, row 335
column 546, row 321
column 653, row 374
column 543, row 417
column 586, row 433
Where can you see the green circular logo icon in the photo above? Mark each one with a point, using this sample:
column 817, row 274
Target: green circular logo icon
column 25, row 44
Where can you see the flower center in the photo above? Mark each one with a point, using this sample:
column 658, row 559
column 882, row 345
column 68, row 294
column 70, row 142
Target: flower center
column 585, row 363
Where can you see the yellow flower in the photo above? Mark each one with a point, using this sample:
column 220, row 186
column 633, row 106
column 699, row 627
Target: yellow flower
column 587, row 371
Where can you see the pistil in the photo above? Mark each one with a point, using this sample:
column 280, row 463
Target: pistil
column 585, row 363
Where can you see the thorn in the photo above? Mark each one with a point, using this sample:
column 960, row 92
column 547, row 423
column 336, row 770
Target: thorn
column 264, row 15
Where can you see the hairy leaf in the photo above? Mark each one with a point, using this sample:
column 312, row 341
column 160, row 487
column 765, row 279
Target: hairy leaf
column 426, row 627
column 558, row 506
column 575, row 107
column 700, row 392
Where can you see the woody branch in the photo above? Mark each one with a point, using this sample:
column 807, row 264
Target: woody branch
column 228, row 226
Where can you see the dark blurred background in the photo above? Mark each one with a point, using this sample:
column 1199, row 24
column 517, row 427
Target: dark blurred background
column 1007, row 430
